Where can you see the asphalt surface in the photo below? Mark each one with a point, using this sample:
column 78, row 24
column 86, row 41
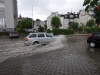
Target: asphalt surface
column 75, row 57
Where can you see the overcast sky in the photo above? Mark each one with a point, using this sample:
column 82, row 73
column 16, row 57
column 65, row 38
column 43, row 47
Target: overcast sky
column 43, row 8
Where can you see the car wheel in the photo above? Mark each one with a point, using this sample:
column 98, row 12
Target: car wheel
column 35, row 43
column 92, row 44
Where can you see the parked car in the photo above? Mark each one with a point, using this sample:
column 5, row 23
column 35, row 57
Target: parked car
column 39, row 38
column 94, row 39
column 13, row 34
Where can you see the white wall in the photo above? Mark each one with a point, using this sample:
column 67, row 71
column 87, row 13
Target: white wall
column 65, row 22
column 50, row 18
column 84, row 19
column 11, row 14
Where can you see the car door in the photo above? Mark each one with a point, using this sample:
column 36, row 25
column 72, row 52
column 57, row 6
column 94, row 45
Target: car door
column 96, row 37
column 32, row 38
column 41, row 38
column 99, row 38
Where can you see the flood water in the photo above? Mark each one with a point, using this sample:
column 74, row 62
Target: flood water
column 68, row 55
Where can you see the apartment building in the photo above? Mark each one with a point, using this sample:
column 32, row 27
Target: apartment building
column 8, row 15
column 66, row 19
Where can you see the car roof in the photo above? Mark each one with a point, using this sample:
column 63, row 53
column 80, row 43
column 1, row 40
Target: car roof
column 37, row 32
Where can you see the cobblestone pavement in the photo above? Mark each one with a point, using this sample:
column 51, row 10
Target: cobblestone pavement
column 76, row 58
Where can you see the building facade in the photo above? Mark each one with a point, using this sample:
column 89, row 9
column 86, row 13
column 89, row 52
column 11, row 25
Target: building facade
column 37, row 24
column 9, row 18
column 2, row 14
column 66, row 19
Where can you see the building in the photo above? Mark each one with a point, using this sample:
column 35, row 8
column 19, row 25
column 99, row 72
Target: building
column 2, row 14
column 84, row 17
column 66, row 19
column 9, row 18
column 38, row 23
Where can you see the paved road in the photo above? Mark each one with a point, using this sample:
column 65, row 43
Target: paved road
column 75, row 58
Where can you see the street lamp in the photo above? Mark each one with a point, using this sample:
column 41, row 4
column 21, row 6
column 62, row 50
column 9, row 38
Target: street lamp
column 32, row 18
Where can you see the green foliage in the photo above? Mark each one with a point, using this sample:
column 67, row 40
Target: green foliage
column 92, row 29
column 74, row 26
column 62, row 31
column 49, row 31
column 90, row 3
column 45, row 27
column 41, row 29
column 93, row 4
column 80, row 28
column 25, row 24
column 97, row 14
column 56, row 23
column 90, row 23
column 18, row 29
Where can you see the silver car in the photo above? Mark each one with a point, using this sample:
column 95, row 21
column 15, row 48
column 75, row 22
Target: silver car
column 39, row 38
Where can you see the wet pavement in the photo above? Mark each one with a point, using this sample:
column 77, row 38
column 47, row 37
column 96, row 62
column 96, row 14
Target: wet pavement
column 75, row 58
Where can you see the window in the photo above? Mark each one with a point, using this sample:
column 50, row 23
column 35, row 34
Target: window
column 32, row 36
column 71, row 16
column 48, row 35
column 76, row 15
column 41, row 35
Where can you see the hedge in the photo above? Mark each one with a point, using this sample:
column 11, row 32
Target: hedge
column 92, row 29
column 49, row 31
column 61, row 31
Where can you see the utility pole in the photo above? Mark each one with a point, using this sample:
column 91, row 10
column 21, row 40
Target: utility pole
column 32, row 19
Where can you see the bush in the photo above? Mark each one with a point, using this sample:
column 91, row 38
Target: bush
column 74, row 26
column 18, row 29
column 80, row 29
column 49, row 31
column 62, row 31
column 90, row 23
column 41, row 29
column 92, row 29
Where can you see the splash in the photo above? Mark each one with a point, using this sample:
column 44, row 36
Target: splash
column 18, row 49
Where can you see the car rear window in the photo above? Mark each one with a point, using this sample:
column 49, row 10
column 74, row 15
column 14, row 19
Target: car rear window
column 32, row 36
column 48, row 35
column 13, row 32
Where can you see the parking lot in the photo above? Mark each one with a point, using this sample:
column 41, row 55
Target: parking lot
column 68, row 55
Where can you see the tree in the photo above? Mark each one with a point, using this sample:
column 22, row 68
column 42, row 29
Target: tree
column 74, row 26
column 25, row 24
column 97, row 14
column 90, row 23
column 41, row 29
column 95, row 4
column 90, row 3
column 56, row 23
column 45, row 27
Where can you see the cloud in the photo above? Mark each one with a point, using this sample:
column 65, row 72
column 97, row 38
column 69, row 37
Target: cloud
column 43, row 8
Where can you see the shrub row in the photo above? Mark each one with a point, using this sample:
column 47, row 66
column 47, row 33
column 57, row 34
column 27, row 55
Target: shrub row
column 61, row 31
column 89, row 29
column 92, row 29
